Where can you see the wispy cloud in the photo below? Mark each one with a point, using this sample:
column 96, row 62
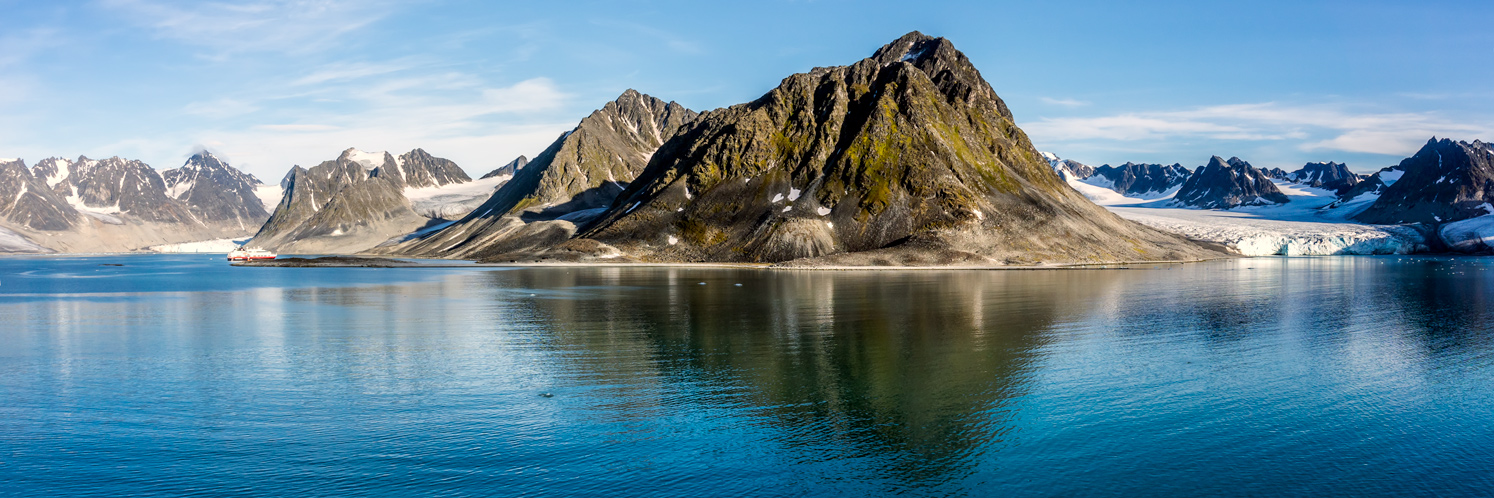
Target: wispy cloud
column 1311, row 127
column 1063, row 102
column 287, row 26
column 220, row 108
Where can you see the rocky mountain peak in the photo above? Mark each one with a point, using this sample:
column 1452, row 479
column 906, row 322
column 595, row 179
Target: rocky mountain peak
column 1444, row 181
column 215, row 191
column 948, row 68
column 1228, row 184
column 417, row 169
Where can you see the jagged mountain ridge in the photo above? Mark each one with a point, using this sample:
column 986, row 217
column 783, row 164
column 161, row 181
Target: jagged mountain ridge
column 1228, row 184
column 907, row 157
column 1325, row 175
column 352, row 203
column 116, row 205
column 1142, row 179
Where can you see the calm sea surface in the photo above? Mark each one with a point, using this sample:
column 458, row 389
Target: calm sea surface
column 179, row 375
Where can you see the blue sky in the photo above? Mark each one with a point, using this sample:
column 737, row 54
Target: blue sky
column 271, row 83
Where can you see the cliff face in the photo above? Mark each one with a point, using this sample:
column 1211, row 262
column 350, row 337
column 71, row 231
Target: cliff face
column 906, row 157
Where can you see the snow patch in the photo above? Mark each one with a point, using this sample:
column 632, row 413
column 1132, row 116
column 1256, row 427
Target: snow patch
column 14, row 242
column 788, row 208
column 822, row 210
column 777, row 198
column 673, row 240
column 794, row 194
column 369, row 160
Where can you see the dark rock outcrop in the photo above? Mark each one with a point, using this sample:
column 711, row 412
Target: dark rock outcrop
column 1227, row 184
column 1445, row 181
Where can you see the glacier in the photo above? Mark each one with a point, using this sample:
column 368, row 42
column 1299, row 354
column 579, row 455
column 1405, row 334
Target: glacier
column 1308, row 225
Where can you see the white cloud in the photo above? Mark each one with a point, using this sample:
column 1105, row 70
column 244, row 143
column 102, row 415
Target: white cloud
column 287, row 26
column 1315, row 127
column 1063, row 102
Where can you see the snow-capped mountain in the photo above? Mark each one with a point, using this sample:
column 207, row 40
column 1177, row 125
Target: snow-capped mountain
column 1445, row 181
column 115, row 204
column 1325, row 175
column 31, row 203
column 215, row 191
column 1068, row 167
column 362, row 199
column 1139, row 179
column 1226, row 184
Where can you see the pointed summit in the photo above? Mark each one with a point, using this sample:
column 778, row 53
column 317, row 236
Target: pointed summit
column 1228, row 184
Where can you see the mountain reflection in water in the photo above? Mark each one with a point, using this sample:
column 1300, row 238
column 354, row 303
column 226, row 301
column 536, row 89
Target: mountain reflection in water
column 1323, row 376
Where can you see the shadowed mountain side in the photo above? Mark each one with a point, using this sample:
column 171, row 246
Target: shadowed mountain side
column 907, row 157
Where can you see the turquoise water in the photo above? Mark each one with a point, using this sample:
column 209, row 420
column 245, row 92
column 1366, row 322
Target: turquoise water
column 179, row 375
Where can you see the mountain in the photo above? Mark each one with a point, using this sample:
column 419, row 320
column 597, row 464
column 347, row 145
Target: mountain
column 418, row 169
column 1443, row 182
column 1070, row 167
column 1227, row 184
column 904, row 158
column 216, row 192
column 510, row 169
column 573, row 180
column 1325, row 175
column 31, row 203
column 119, row 205
column 1276, row 174
column 354, row 202
column 1140, row 179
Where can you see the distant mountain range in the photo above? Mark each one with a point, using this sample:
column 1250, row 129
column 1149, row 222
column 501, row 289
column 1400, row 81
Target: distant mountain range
column 114, row 204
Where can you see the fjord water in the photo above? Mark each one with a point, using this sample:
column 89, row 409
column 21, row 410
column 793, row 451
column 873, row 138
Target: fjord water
column 178, row 375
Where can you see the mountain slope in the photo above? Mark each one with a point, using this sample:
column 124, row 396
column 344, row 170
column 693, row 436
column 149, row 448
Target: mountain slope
column 573, row 180
column 907, row 157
